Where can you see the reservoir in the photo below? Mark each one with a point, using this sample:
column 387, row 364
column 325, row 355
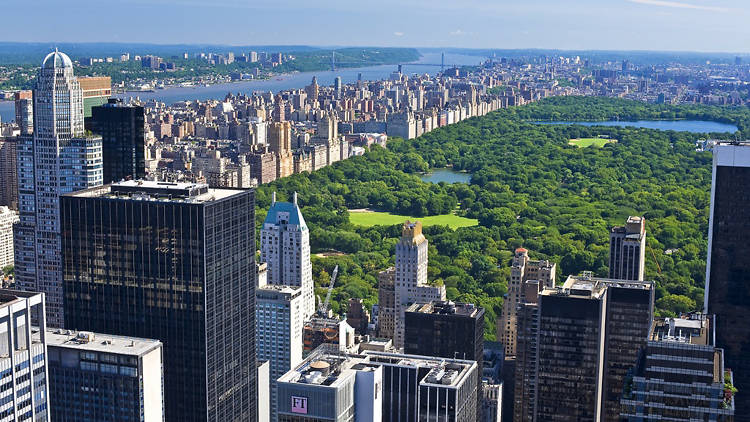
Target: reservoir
column 288, row 81
column 694, row 126
column 447, row 176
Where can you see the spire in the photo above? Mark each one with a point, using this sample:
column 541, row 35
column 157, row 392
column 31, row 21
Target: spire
column 273, row 198
column 294, row 199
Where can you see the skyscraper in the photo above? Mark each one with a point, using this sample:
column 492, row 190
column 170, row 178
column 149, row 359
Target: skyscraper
column 627, row 250
column 173, row 262
column 104, row 377
column 8, row 172
column 285, row 247
column 727, row 292
column 590, row 332
column 523, row 270
column 279, row 325
column 446, row 330
column 23, row 357
column 411, row 277
column 58, row 159
column 123, row 140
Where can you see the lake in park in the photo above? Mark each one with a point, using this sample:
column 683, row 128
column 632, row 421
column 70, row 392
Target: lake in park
column 447, row 176
column 694, row 126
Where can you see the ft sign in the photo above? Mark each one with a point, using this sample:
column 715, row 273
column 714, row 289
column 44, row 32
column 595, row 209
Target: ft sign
column 299, row 405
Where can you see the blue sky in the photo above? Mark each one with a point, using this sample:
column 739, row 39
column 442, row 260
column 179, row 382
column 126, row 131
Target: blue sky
column 691, row 25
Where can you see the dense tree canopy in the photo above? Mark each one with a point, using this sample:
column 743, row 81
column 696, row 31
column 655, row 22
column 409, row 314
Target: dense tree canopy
column 528, row 187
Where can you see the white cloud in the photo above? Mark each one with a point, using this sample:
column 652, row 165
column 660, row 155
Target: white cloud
column 398, row 34
column 457, row 32
column 679, row 5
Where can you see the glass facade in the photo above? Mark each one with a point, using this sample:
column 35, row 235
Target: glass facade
column 181, row 271
column 123, row 141
column 729, row 275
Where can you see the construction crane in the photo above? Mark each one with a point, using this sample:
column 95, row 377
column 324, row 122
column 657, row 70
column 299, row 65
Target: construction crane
column 323, row 310
column 658, row 267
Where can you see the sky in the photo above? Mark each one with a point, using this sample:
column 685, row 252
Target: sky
column 664, row 25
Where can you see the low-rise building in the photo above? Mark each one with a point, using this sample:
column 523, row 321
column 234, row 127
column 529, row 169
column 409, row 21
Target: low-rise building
column 104, row 377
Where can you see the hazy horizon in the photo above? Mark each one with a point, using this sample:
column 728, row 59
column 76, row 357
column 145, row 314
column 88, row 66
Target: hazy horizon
column 707, row 26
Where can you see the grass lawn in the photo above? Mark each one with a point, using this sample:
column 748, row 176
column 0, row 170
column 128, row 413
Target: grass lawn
column 375, row 218
column 587, row 142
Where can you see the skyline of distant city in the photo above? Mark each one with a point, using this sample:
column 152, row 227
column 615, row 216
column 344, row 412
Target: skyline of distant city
column 655, row 25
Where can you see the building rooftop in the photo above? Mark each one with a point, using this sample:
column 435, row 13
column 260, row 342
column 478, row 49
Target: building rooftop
column 148, row 190
column 634, row 228
column 445, row 308
column 95, row 342
column 285, row 213
column 329, row 367
column 695, row 328
column 586, row 285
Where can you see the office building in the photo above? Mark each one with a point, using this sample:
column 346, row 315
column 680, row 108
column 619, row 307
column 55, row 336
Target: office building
column 8, row 172
column 8, row 218
column 627, row 250
column 447, row 330
column 728, row 269
column 24, row 105
column 102, row 377
column 411, row 277
column 95, row 90
column 680, row 375
column 123, row 140
column 285, row 247
column 173, row 262
column 588, row 330
column 279, row 321
column 525, row 374
column 523, row 270
column 386, row 303
column 23, row 358
column 374, row 386
column 58, row 159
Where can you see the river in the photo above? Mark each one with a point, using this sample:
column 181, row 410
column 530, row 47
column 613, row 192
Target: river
column 285, row 82
column 694, row 126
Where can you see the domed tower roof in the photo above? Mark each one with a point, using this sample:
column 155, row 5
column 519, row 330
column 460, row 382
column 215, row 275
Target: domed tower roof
column 56, row 59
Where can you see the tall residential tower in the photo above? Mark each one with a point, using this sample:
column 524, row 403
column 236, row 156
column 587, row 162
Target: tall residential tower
column 285, row 248
column 58, row 159
column 410, row 282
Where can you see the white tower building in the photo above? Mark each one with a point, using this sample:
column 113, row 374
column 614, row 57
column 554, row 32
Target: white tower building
column 285, row 248
column 411, row 276
column 279, row 321
column 58, row 159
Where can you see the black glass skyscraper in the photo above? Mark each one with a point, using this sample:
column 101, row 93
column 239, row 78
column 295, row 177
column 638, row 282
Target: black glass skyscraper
column 123, row 143
column 447, row 330
column 173, row 262
column 727, row 292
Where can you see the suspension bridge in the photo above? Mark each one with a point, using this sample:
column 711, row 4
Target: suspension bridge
column 441, row 65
